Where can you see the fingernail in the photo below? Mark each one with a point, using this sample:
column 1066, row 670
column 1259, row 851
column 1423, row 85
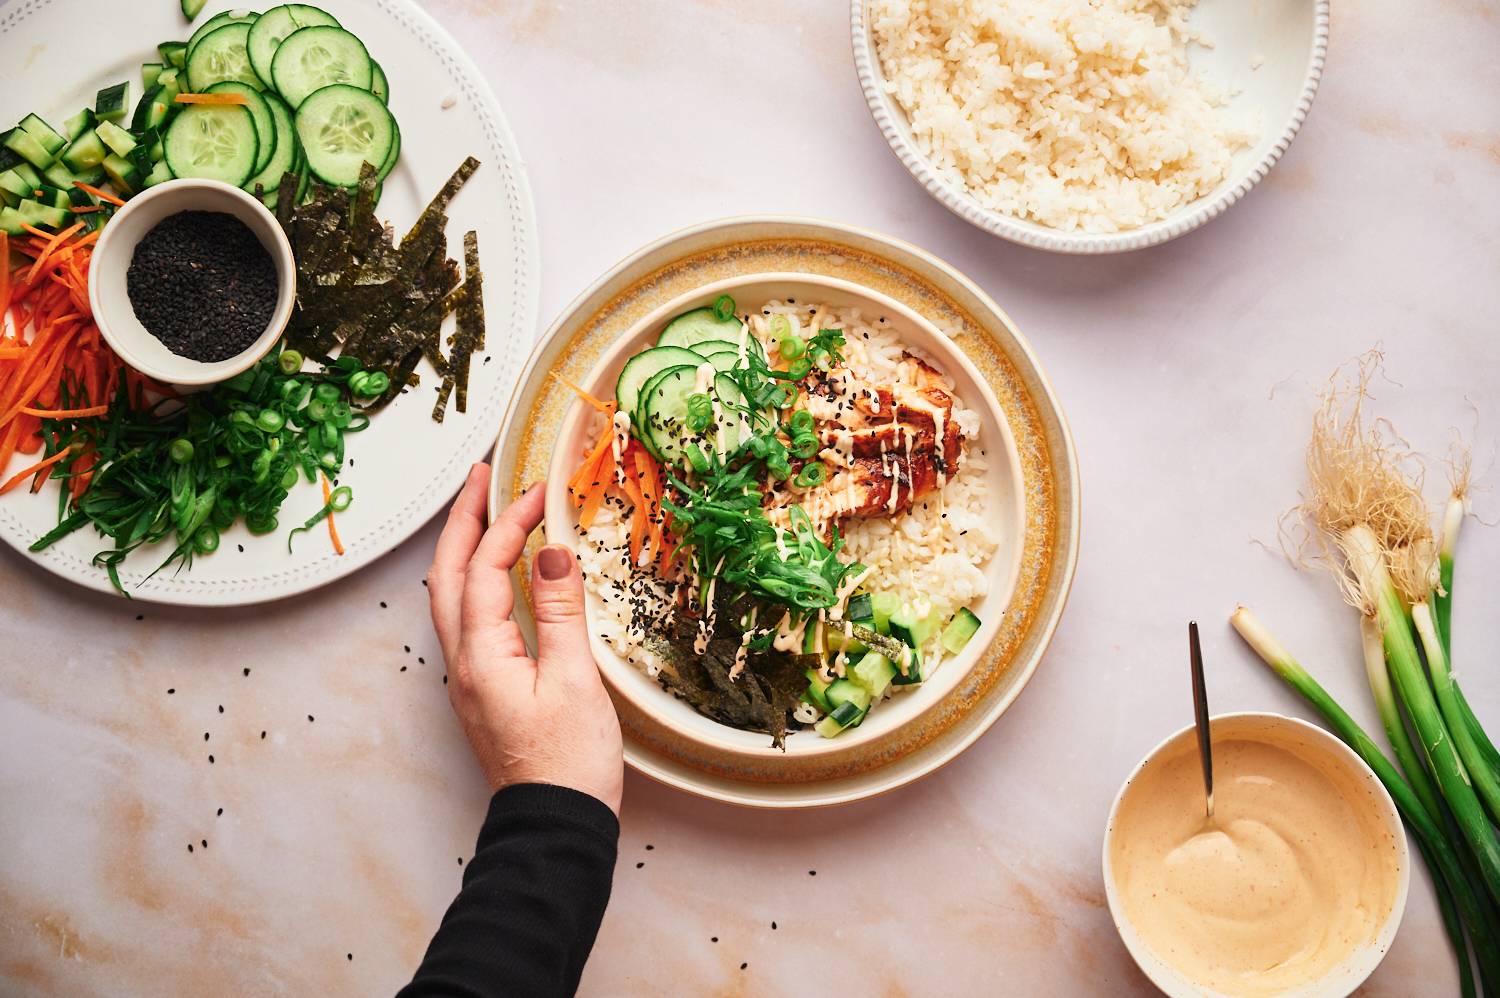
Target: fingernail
column 554, row 562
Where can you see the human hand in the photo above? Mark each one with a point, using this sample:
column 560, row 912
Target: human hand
column 542, row 720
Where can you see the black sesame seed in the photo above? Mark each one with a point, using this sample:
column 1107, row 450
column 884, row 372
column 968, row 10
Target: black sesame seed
column 713, row 939
column 262, row 735
column 309, row 718
column 210, row 760
column 190, row 847
column 219, row 813
column 171, row 690
column 202, row 284
column 382, row 605
column 744, row 965
column 639, row 865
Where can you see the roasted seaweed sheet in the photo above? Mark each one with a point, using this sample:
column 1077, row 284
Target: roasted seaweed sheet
column 362, row 294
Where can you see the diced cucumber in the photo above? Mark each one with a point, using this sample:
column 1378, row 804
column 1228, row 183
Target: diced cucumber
column 113, row 103
column 119, row 141
column 8, row 199
column 86, row 152
column 842, row 691
column 59, row 176
column 341, row 128
column 25, row 145
column 916, row 669
column 644, row 366
column 817, row 691
column 16, row 186
column 874, row 672
column 813, row 638
column 912, row 629
column 28, row 173
column 860, row 609
column 11, row 222
column 192, row 8
column 274, row 26
column 171, row 82
column 160, row 174
column 45, row 135
column 698, row 326
column 213, row 143
column 8, row 157
column 122, row 173
column 835, row 640
column 150, row 73
column 841, row 717
column 78, row 124
column 53, row 197
column 313, row 58
column 173, row 54
column 960, row 629
column 141, row 154
column 221, row 55
column 882, row 605
column 38, row 214
column 152, row 111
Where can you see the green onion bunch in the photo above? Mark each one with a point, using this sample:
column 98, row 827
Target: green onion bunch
column 186, row 469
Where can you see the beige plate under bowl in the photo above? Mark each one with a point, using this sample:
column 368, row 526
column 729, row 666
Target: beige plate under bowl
column 1035, row 483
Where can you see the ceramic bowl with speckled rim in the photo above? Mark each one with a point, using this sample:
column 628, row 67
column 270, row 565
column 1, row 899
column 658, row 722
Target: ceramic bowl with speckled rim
column 1269, row 55
column 684, row 263
column 578, row 432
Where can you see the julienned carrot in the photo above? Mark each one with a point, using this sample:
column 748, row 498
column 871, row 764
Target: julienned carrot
column 239, row 99
column 333, row 531
column 601, row 406
column 93, row 410
column 35, row 469
column 96, row 192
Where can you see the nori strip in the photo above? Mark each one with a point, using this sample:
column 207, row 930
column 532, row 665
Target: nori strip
column 468, row 335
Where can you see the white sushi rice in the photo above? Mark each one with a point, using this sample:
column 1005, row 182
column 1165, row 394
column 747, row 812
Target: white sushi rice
column 935, row 553
column 1078, row 114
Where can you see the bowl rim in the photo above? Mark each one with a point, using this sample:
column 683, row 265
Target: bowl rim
column 1363, row 959
column 890, row 119
column 952, row 356
column 207, row 372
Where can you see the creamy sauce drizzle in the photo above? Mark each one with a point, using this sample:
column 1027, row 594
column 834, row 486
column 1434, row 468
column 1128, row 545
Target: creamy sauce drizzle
column 1292, row 873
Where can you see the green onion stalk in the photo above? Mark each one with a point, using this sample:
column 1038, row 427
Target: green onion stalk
column 1442, row 605
column 1367, row 563
column 1435, row 847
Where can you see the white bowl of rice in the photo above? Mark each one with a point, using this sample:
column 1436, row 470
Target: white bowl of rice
column 1089, row 126
column 961, row 552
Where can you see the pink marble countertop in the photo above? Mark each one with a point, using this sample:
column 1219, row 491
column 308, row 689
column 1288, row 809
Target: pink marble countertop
column 305, row 750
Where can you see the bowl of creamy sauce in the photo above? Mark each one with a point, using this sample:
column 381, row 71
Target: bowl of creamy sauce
column 1294, row 887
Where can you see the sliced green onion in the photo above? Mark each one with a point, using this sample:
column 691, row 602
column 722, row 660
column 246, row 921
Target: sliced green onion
column 696, row 458
column 290, row 361
column 700, row 412
column 317, row 410
column 812, row 474
column 375, row 383
column 328, row 393
column 340, row 415
column 791, row 346
column 270, row 421
column 799, row 369
column 181, row 450
column 260, row 523
column 340, row 498
column 801, row 422
column 724, row 308
column 206, row 540
column 357, row 382
column 804, row 445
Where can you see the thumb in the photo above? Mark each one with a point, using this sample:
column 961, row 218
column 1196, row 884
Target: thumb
column 562, row 637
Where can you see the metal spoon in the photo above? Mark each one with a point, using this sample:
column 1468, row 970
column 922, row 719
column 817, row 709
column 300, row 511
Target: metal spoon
column 1200, row 714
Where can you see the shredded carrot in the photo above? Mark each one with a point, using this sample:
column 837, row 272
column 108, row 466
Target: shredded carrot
column 35, row 469
column 601, row 406
column 85, row 209
column 96, row 192
column 93, row 410
column 333, row 531
column 237, row 99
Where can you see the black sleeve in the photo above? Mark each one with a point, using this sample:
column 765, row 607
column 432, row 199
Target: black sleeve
column 531, row 902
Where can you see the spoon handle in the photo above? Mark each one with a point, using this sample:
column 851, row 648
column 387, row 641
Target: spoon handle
column 1200, row 714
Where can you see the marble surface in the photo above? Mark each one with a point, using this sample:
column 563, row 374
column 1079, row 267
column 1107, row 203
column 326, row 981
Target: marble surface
column 320, row 726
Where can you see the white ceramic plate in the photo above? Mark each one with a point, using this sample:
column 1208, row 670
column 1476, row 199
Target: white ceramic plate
column 1270, row 51
column 1003, row 508
column 405, row 466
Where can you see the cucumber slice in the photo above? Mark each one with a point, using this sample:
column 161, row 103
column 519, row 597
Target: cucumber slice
column 733, row 427
column 662, row 410
column 644, row 366
column 284, row 154
column 273, row 28
column 379, row 85
column 111, row 102
column 213, row 143
column 214, row 24
column 260, row 112
column 173, row 54
column 342, row 128
column 699, row 326
column 393, row 155
column 312, row 58
column 220, row 56
column 960, row 629
column 192, row 8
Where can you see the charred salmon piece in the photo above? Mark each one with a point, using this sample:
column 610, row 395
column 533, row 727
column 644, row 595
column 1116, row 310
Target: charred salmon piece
column 864, row 489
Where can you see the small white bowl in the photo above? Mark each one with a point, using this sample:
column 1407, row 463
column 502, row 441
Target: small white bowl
column 1003, row 478
column 1271, row 51
column 110, row 299
column 1311, row 740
